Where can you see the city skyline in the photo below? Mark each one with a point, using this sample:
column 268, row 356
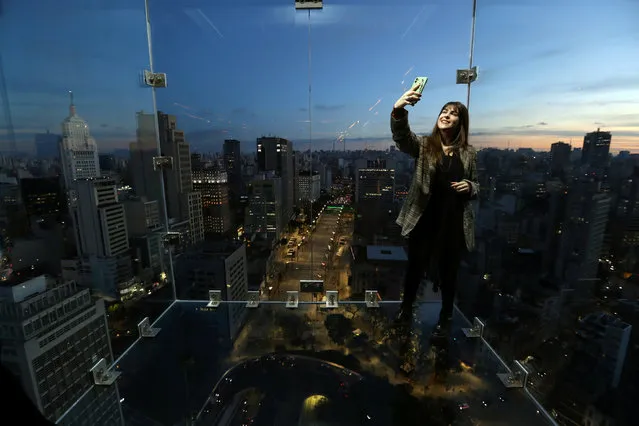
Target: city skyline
column 564, row 76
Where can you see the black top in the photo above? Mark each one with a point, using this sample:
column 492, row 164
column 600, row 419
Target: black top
column 445, row 210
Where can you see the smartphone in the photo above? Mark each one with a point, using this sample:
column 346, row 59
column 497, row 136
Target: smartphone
column 422, row 83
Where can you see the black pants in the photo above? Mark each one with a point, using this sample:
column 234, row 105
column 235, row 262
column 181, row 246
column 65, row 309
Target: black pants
column 440, row 260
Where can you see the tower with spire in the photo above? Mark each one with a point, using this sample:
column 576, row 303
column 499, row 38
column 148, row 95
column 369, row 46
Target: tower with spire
column 78, row 150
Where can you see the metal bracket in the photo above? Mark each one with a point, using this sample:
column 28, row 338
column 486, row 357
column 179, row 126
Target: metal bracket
column 467, row 76
column 332, row 299
column 215, row 298
column 162, row 163
column 253, row 299
column 309, row 4
column 154, row 79
column 292, row 299
column 516, row 378
column 145, row 329
column 101, row 374
column 372, row 298
column 477, row 329
column 172, row 239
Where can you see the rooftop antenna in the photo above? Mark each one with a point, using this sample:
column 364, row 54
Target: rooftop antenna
column 7, row 110
column 71, row 104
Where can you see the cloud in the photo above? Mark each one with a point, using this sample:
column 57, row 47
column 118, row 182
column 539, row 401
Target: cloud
column 542, row 123
column 302, row 109
column 530, row 131
column 600, row 103
column 607, row 84
column 323, row 107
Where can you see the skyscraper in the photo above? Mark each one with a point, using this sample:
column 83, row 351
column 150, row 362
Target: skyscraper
column 212, row 184
column 101, row 235
column 53, row 334
column 559, row 157
column 78, row 150
column 182, row 203
column 596, row 149
column 147, row 181
column 276, row 154
column 233, row 164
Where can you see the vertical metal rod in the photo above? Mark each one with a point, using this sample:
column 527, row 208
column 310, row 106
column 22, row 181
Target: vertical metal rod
column 159, row 150
column 310, row 135
column 472, row 50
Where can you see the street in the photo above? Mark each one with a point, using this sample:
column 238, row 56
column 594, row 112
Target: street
column 318, row 256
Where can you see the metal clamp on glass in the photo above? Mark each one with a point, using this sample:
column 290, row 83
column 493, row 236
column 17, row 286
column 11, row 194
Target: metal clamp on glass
column 467, row 76
column 477, row 329
column 292, row 299
column 331, row 299
column 372, row 298
column 252, row 299
column 101, row 374
column 309, row 4
column 154, row 79
column 162, row 163
column 516, row 378
column 215, row 298
column 145, row 329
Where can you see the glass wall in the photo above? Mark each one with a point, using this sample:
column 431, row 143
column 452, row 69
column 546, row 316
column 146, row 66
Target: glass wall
column 199, row 204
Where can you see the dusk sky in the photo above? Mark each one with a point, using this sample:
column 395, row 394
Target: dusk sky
column 549, row 70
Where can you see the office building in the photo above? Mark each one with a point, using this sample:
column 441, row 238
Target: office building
column 213, row 185
column 276, row 155
column 215, row 265
column 308, row 186
column 101, row 235
column 52, row 335
column 264, row 212
column 182, row 203
column 78, row 150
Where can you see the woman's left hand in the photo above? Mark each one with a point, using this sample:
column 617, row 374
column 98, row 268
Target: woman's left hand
column 461, row 187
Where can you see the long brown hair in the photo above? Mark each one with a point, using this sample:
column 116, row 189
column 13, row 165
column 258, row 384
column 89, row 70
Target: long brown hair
column 434, row 149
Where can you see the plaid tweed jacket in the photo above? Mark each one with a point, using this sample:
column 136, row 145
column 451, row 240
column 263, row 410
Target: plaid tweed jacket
column 419, row 192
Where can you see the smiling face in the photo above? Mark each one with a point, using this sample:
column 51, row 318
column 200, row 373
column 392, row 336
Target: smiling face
column 448, row 118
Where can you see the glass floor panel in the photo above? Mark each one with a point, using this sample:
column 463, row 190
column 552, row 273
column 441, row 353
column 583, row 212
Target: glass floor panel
column 311, row 365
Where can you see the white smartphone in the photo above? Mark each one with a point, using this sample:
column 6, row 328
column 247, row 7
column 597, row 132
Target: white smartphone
column 422, row 84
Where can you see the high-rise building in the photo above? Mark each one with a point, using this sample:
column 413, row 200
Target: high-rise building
column 147, row 181
column 78, row 150
column 145, row 234
column 264, row 213
column 276, row 154
column 559, row 157
column 375, row 200
column 308, row 186
column 212, row 184
column 52, row 335
column 374, row 180
column 233, row 164
column 42, row 196
column 101, row 235
column 215, row 265
column 182, row 203
column 596, row 149
column 582, row 236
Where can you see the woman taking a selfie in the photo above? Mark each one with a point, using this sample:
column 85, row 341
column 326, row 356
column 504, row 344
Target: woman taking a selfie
column 437, row 216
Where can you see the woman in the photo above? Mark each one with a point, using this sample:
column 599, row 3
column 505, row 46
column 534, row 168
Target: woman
column 437, row 216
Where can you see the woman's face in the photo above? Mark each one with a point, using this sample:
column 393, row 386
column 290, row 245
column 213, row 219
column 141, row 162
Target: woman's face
column 448, row 118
